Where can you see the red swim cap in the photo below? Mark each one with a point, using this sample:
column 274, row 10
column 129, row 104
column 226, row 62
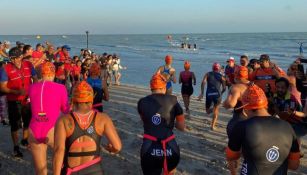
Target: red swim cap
column 83, row 93
column 254, row 98
column 187, row 65
column 157, row 82
column 216, row 67
column 241, row 72
column 168, row 59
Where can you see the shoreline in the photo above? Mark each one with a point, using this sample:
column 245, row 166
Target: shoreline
column 202, row 150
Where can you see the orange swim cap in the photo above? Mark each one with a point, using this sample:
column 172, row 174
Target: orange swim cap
column 187, row 65
column 82, row 93
column 241, row 72
column 48, row 69
column 254, row 98
column 168, row 59
column 95, row 69
column 157, row 82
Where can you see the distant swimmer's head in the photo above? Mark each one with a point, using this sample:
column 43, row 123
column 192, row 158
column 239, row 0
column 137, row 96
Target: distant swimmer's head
column 82, row 93
column 48, row 70
column 168, row 59
column 187, row 65
column 216, row 67
column 95, row 69
column 158, row 83
column 241, row 72
column 254, row 98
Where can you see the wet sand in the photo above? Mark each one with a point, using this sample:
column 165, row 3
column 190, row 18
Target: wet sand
column 202, row 150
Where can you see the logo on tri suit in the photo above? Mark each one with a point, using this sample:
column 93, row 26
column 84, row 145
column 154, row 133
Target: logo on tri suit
column 90, row 130
column 156, row 119
column 272, row 154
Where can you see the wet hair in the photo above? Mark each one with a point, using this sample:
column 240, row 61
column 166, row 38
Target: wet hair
column 283, row 79
column 26, row 48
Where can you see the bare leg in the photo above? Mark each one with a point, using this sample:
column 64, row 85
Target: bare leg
column 15, row 137
column 185, row 101
column 50, row 138
column 38, row 151
column 215, row 116
column 25, row 133
column 119, row 75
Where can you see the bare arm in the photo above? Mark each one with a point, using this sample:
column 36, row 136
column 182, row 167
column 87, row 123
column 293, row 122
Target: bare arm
column 5, row 89
column 194, row 78
column 173, row 76
column 223, row 84
column 232, row 98
column 110, row 132
column 105, row 90
column 180, row 81
column 293, row 164
column 202, row 87
column 180, row 122
column 59, row 146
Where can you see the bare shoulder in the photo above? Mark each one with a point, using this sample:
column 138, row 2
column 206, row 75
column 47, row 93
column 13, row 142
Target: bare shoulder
column 67, row 120
column 102, row 118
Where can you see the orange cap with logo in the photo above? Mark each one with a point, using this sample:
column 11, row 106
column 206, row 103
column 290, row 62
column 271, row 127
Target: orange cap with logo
column 241, row 72
column 48, row 69
column 254, row 98
column 95, row 69
column 187, row 65
column 168, row 59
column 82, row 93
column 157, row 82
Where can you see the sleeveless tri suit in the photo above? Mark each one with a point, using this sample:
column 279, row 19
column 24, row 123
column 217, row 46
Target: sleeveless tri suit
column 159, row 149
column 214, row 89
column 92, row 167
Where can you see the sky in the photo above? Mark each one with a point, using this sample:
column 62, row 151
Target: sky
column 151, row 16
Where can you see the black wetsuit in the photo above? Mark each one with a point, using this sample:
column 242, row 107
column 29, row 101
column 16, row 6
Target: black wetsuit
column 265, row 143
column 214, row 89
column 158, row 112
column 91, row 132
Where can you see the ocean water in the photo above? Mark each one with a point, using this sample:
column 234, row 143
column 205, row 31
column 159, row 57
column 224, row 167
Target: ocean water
column 142, row 54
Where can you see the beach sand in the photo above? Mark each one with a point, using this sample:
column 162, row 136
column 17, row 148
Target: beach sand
column 202, row 150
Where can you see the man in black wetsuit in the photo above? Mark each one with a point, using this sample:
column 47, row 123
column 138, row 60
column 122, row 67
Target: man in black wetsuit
column 160, row 113
column 268, row 144
column 216, row 86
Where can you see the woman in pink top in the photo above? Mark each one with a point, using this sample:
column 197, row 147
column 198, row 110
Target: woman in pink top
column 48, row 100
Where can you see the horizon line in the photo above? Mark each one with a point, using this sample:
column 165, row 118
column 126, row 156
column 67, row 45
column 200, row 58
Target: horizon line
column 196, row 33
